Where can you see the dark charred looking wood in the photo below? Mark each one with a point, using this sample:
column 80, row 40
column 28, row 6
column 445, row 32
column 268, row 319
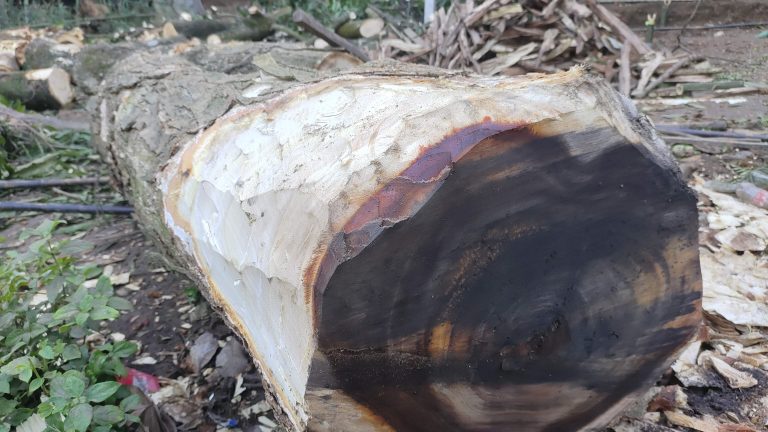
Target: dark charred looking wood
column 520, row 254
column 522, row 293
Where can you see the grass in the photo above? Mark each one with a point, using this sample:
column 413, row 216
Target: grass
column 37, row 13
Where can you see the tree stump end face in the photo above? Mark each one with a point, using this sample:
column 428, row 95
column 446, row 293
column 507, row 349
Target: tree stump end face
column 499, row 253
column 533, row 288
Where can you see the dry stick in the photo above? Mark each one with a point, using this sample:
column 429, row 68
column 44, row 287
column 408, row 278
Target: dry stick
column 685, row 25
column 619, row 27
column 675, row 129
column 310, row 24
column 38, row 119
column 716, row 145
column 711, row 26
column 63, row 208
column 667, row 74
column 35, row 183
column 625, row 75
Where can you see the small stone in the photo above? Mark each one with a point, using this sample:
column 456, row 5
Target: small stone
column 145, row 361
column 202, row 351
column 231, row 360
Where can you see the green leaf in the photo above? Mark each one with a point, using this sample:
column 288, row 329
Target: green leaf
column 65, row 312
column 34, row 385
column 81, row 318
column 91, row 271
column 130, row 403
column 18, row 416
column 54, row 289
column 101, row 391
column 26, row 374
column 75, row 247
column 104, row 313
column 79, row 417
column 71, row 352
column 45, row 409
column 119, row 303
column 5, row 386
column 130, row 418
column 7, row 406
column 20, row 367
column 47, row 353
column 104, row 286
column 46, row 228
column 70, row 384
column 124, row 349
column 108, row 414
column 86, row 303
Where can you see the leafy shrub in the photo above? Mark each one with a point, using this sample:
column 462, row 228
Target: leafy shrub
column 47, row 310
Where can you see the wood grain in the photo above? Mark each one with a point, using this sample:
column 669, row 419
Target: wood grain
column 533, row 289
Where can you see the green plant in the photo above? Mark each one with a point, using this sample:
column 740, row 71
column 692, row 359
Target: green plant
column 47, row 310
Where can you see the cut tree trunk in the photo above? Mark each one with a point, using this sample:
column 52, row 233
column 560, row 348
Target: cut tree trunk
column 87, row 65
column 38, row 89
column 406, row 248
column 364, row 28
column 8, row 62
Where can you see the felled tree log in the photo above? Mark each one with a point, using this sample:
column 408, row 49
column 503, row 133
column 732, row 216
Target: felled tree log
column 38, row 89
column 87, row 65
column 8, row 62
column 405, row 248
column 364, row 28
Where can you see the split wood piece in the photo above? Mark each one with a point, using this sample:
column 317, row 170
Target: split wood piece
column 38, row 89
column 309, row 23
column 619, row 27
column 405, row 248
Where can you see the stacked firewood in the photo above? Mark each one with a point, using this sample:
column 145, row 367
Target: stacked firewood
column 511, row 38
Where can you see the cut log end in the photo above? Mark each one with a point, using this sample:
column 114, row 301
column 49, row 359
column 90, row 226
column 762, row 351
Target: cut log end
column 38, row 89
column 529, row 279
column 430, row 253
column 59, row 86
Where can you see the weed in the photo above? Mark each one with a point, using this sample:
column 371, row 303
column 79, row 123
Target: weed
column 48, row 309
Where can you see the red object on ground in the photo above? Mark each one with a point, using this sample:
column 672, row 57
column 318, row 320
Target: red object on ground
column 147, row 383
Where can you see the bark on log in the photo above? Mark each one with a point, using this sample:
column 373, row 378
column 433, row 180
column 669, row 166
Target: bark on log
column 38, row 89
column 406, row 248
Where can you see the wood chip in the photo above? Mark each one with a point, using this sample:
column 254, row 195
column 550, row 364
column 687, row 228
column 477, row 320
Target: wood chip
column 702, row 425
